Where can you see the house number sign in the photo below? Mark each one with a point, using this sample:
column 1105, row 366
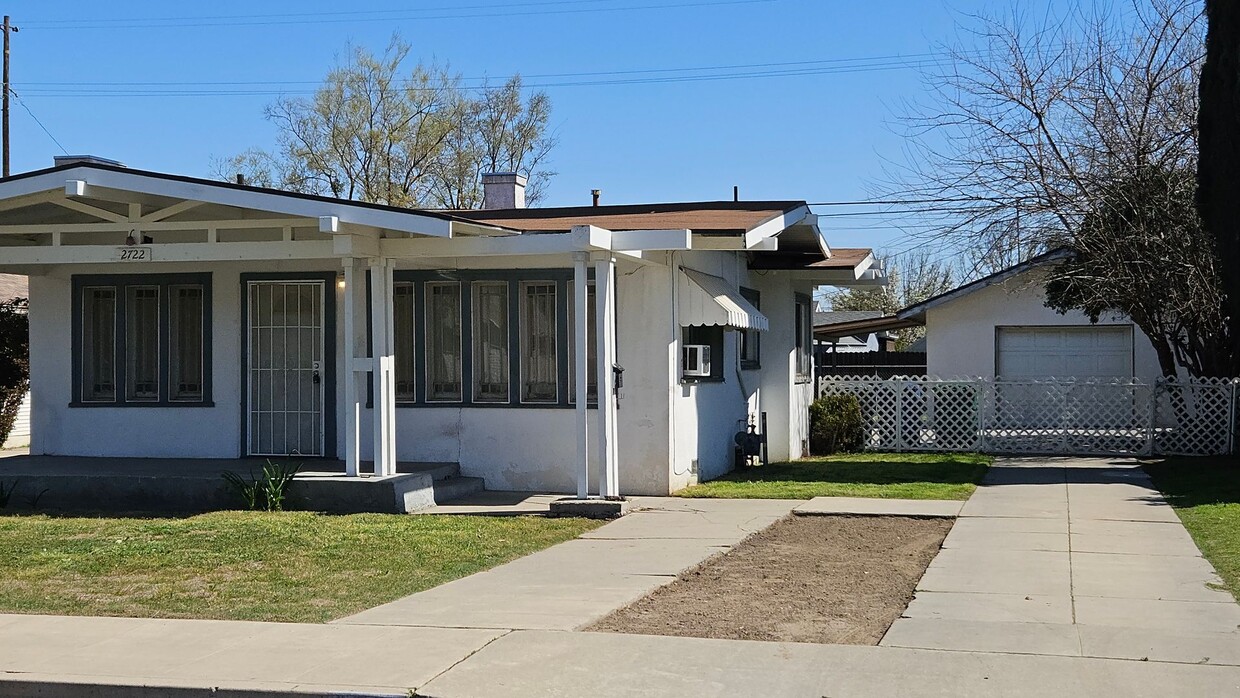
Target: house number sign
column 133, row 254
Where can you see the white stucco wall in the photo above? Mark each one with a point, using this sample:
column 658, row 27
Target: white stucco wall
column 665, row 425
column 960, row 334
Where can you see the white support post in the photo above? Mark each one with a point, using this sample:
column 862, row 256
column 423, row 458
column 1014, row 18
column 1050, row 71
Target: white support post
column 389, row 379
column 351, row 422
column 383, row 385
column 605, row 315
column 581, row 370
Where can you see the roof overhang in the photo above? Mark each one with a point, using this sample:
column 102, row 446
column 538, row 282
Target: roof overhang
column 865, row 327
column 917, row 311
column 843, row 267
column 705, row 299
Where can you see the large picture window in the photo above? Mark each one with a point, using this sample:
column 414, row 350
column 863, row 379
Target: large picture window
column 443, row 341
column 141, row 340
column 539, row 369
column 490, row 335
column 488, row 338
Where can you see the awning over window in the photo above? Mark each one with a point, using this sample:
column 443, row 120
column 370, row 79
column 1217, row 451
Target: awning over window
column 711, row 300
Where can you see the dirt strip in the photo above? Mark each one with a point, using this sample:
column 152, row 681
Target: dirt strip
column 825, row 579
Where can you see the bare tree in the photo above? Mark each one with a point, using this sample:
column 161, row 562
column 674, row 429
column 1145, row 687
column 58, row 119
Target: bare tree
column 912, row 278
column 1048, row 131
column 373, row 133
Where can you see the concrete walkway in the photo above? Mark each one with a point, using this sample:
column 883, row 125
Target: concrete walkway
column 575, row 583
column 1071, row 557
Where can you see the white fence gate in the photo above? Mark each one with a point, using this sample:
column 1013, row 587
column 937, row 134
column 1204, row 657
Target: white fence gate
column 1104, row 416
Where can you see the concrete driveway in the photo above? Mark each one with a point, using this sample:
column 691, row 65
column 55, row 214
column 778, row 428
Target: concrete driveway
column 1071, row 557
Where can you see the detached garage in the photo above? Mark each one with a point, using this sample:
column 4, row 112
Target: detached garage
column 1000, row 326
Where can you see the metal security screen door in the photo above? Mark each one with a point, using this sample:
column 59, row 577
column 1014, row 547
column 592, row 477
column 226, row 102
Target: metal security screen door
column 285, row 360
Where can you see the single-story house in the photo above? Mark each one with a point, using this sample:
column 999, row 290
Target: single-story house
column 999, row 326
column 608, row 349
column 13, row 286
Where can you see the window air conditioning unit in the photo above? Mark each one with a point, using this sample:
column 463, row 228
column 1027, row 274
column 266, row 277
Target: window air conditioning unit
column 695, row 360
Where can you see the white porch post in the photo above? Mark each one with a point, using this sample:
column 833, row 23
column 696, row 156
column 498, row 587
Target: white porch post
column 383, row 363
column 353, row 300
column 605, row 315
column 581, row 371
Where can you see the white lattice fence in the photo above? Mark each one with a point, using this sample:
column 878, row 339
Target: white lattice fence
column 1059, row 416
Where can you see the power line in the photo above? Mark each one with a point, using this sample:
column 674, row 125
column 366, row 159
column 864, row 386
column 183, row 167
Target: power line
column 40, row 123
column 343, row 17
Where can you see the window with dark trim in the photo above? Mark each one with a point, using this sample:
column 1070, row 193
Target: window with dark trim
column 804, row 339
column 709, row 335
column 487, row 338
column 142, row 340
column 749, row 347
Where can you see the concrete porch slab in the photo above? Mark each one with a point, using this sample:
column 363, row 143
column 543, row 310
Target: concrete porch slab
column 862, row 506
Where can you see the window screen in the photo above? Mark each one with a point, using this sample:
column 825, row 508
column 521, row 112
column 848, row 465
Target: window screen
column 443, row 351
column 539, row 376
column 490, row 339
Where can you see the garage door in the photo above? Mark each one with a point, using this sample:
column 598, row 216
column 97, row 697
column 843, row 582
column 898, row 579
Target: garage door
column 1063, row 352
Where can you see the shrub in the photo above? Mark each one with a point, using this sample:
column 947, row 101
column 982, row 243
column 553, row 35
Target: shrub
column 14, row 362
column 835, row 424
column 267, row 490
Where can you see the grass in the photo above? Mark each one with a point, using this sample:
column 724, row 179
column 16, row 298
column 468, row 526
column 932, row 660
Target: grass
column 1205, row 493
column 891, row 475
column 286, row 566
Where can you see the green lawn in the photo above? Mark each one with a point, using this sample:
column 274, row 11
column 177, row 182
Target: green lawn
column 894, row 475
column 1206, row 494
column 291, row 566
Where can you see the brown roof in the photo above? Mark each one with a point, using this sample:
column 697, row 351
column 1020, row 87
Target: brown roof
column 841, row 258
column 13, row 286
column 711, row 217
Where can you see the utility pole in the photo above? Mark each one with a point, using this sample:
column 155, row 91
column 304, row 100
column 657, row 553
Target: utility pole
column 8, row 29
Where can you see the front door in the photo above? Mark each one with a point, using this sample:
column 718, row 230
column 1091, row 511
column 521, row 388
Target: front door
column 285, row 368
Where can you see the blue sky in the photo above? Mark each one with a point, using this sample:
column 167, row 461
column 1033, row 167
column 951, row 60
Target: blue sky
column 815, row 135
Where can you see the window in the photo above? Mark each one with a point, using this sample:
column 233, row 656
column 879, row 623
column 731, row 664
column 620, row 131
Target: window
column 148, row 334
column 443, row 335
column 539, row 368
column 403, row 327
column 711, row 336
column 185, row 323
column 750, row 341
column 804, row 339
column 591, row 346
column 490, row 339
column 99, row 342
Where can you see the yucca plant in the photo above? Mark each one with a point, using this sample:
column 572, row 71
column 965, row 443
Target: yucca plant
column 6, row 493
column 267, row 490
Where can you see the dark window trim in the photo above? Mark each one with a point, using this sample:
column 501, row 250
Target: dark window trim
column 329, row 353
column 755, row 297
column 717, row 341
column 121, row 282
column 805, row 331
column 466, row 277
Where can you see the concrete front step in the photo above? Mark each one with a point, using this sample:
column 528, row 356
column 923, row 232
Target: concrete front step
column 450, row 488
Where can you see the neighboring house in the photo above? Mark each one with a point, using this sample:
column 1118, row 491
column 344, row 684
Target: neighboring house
column 178, row 317
column 847, row 343
column 15, row 286
column 999, row 325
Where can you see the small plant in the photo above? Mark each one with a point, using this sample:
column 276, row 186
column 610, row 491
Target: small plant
column 6, row 493
column 33, row 500
column 835, row 425
column 267, row 490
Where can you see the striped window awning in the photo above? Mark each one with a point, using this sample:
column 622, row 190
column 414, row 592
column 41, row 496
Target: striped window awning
column 710, row 300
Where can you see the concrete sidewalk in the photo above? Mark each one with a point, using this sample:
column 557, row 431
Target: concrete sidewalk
column 575, row 583
column 1071, row 557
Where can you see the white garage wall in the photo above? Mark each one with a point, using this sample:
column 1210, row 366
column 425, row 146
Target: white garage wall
column 960, row 334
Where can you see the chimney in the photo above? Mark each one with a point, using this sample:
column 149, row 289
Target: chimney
column 595, row 194
column 503, row 190
column 61, row 160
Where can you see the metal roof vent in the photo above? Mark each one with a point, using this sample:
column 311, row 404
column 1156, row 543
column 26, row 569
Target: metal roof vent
column 61, row 160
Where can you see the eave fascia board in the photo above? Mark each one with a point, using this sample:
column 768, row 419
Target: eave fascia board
column 919, row 310
column 96, row 183
column 775, row 225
